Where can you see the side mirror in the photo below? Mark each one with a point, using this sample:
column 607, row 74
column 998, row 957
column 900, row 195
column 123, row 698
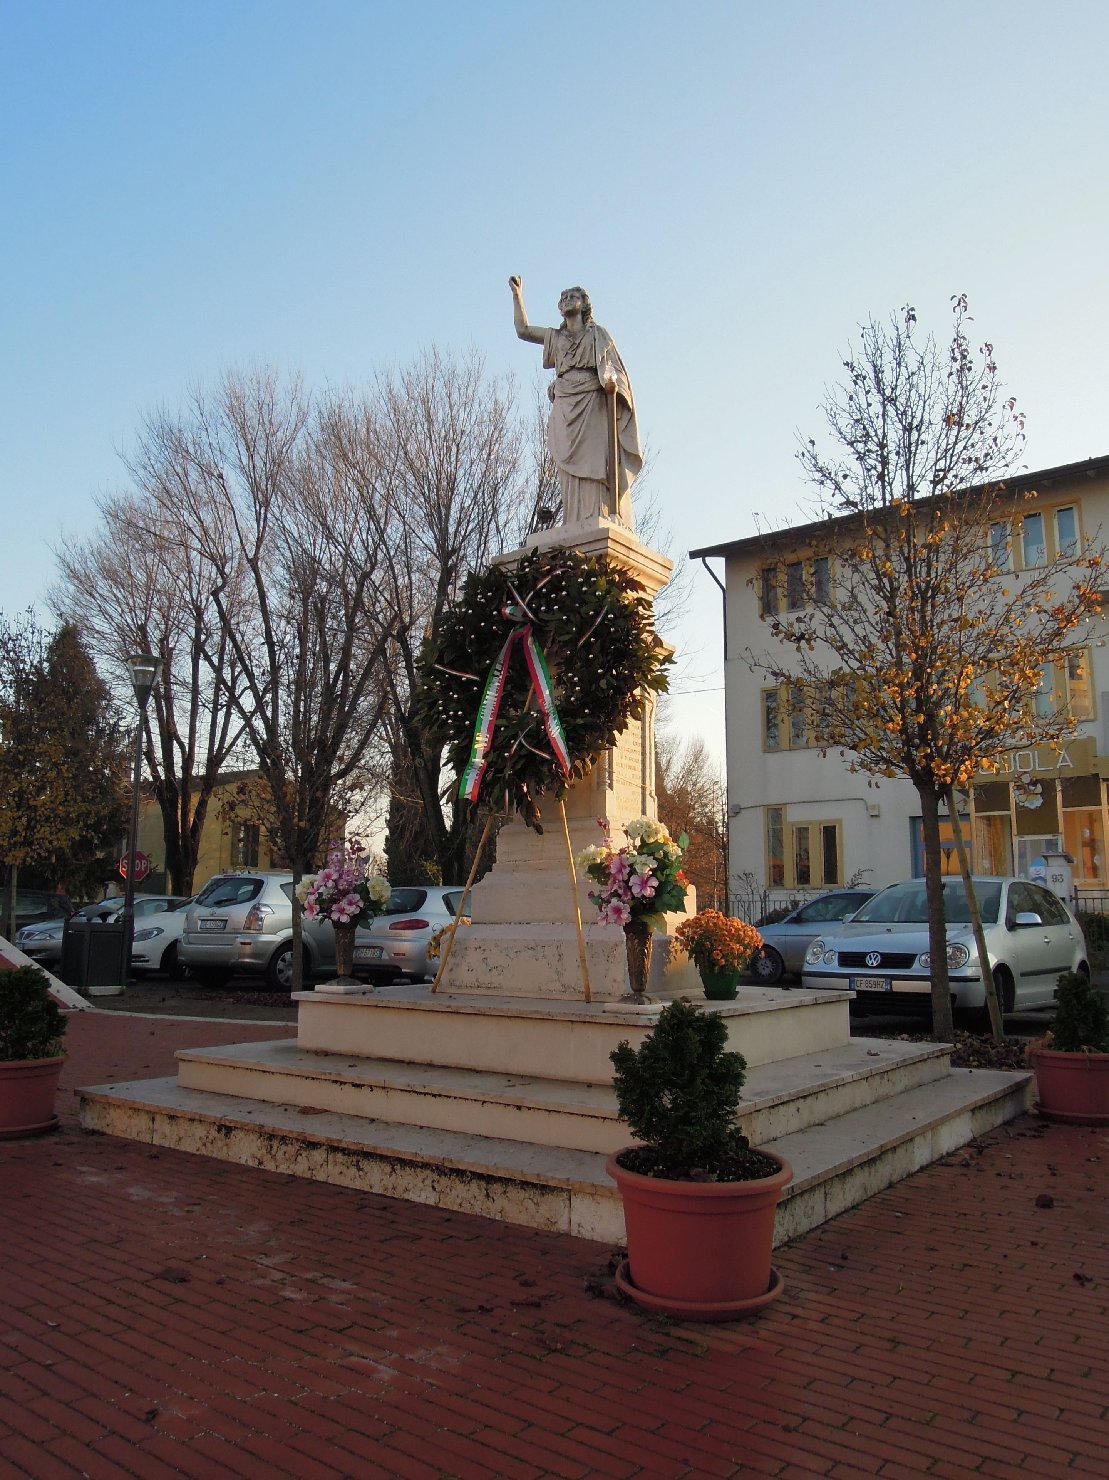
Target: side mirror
column 1026, row 918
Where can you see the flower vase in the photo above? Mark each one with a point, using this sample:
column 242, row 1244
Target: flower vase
column 637, row 941
column 344, row 952
column 719, row 986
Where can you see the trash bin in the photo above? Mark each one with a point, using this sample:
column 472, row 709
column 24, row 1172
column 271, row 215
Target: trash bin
column 96, row 954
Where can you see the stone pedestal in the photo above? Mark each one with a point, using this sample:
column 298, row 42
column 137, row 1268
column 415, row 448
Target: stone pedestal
column 523, row 941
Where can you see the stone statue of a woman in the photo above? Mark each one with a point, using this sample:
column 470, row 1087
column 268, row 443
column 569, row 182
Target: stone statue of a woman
column 590, row 387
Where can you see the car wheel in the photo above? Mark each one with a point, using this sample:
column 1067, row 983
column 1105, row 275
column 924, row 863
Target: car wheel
column 767, row 966
column 169, row 959
column 210, row 976
column 978, row 1018
column 279, row 972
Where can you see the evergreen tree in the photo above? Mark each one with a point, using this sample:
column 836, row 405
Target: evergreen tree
column 63, row 766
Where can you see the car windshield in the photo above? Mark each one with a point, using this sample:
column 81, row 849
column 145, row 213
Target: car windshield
column 828, row 907
column 907, row 904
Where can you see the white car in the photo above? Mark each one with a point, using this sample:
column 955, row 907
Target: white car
column 882, row 952
column 154, row 943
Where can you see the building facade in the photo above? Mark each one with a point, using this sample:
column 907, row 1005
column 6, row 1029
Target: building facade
column 802, row 821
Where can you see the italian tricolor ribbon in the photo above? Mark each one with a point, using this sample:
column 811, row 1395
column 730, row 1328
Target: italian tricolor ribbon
column 486, row 722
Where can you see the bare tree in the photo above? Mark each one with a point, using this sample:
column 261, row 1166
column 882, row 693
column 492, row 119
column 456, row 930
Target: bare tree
column 280, row 522
column 436, row 450
column 139, row 586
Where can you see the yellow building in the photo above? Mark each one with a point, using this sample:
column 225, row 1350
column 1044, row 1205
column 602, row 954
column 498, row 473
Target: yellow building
column 234, row 834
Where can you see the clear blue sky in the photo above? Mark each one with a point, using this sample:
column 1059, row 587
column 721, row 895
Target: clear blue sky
column 193, row 185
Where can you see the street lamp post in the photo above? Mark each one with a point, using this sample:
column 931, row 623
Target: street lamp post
column 143, row 669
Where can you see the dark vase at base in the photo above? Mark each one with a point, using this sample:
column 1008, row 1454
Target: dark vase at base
column 638, row 937
column 344, row 951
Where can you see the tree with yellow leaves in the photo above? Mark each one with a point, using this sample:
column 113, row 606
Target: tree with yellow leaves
column 924, row 653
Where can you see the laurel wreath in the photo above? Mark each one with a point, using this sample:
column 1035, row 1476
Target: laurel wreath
column 595, row 627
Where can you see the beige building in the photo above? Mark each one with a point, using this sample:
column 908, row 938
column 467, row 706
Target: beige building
column 801, row 822
column 234, row 834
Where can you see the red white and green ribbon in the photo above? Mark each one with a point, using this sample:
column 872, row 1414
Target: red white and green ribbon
column 489, row 709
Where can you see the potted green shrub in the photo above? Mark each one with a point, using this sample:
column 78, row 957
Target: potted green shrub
column 1072, row 1061
column 32, row 1027
column 699, row 1200
column 721, row 948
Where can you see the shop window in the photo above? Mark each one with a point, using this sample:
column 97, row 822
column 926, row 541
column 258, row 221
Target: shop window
column 993, row 843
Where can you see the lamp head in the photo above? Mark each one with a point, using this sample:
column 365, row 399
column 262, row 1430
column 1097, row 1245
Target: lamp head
column 143, row 669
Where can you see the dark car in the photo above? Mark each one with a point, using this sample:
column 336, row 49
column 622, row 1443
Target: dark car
column 784, row 943
column 32, row 907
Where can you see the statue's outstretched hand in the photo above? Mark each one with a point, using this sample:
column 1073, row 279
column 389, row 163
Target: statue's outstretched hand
column 516, row 283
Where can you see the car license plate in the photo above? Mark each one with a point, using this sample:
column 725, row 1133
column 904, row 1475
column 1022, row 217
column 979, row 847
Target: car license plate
column 367, row 953
column 870, row 984
column 213, row 924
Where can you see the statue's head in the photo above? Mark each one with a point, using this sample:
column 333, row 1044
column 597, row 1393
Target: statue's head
column 582, row 297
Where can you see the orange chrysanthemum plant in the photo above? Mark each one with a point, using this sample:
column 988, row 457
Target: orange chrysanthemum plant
column 717, row 942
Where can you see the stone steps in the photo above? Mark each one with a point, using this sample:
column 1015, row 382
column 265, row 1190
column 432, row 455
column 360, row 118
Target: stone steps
column 837, row 1163
column 779, row 1098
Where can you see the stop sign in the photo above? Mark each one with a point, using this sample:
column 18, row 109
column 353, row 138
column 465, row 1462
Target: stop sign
column 142, row 866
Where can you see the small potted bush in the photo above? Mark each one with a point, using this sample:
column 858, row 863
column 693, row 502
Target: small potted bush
column 721, row 948
column 699, row 1200
column 32, row 1027
column 1072, row 1061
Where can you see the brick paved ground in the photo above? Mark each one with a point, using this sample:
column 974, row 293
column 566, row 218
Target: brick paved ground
column 165, row 1315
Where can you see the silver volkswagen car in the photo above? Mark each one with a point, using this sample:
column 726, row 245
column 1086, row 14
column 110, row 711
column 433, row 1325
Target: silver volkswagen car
column 882, row 952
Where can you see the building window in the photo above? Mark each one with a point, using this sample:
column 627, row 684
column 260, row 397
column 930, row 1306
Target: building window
column 1066, row 531
column 802, row 855
column 1080, row 699
column 244, row 845
column 775, row 847
column 769, row 590
column 795, row 586
column 1001, row 550
column 821, row 580
column 1033, row 547
column 798, row 718
column 771, row 720
column 1043, row 701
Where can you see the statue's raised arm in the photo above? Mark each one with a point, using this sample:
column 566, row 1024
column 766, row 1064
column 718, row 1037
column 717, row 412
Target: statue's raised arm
column 592, row 433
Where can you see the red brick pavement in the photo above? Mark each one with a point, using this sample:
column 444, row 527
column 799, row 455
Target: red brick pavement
column 165, row 1315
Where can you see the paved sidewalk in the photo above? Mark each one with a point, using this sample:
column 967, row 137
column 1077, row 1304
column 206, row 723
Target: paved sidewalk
column 162, row 1314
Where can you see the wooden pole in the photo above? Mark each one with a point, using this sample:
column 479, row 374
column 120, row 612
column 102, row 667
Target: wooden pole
column 444, row 954
column 577, row 904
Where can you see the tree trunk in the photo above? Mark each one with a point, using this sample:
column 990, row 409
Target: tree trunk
column 943, row 1024
column 993, row 1006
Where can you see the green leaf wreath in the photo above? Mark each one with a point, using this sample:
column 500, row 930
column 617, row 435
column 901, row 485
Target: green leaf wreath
column 594, row 627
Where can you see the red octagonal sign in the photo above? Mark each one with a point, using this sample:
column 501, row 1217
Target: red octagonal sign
column 142, row 866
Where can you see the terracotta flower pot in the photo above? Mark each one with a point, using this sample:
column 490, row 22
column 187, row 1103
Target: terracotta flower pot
column 27, row 1089
column 1073, row 1087
column 719, row 986
column 700, row 1250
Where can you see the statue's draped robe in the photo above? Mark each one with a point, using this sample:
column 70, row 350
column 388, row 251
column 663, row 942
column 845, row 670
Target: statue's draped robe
column 579, row 432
